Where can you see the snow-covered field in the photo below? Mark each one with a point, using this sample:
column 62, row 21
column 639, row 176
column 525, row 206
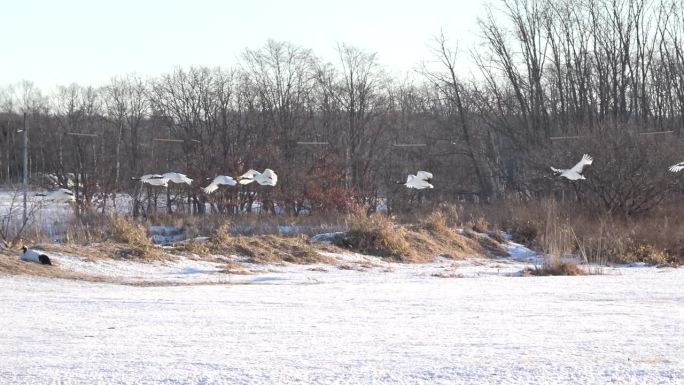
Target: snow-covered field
column 369, row 322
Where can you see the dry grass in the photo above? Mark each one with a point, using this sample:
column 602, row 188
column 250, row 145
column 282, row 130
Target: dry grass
column 554, row 266
column 444, row 274
column 442, row 235
column 645, row 253
column 10, row 264
column 135, row 237
column 222, row 235
column 192, row 225
column 479, row 224
column 377, row 235
column 120, row 237
column 433, row 236
column 268, row 249
column 436, row 223
column 562, row 229
column 108, row 237
column 448, row 244
column 486, row 244
column 450, row 213
column 253, row 236
column 374, row 235
column 524, row 232
column 194, row 246
column 91, row 252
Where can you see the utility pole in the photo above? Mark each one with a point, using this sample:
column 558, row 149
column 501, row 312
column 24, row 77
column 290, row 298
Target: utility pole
column 25, row 168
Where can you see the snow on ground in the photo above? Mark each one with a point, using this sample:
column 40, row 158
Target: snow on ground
column 191, row 270
column 623, row 329
column 365, row 322
column 179, row 271
column 185, row 270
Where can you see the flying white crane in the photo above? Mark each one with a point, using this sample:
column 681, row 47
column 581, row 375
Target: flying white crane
column 575, row 172
column 267, row 178
column 219, row 180
column 34, row 256
column 419, row 181
column 154, row 180
column 61, row 195
column 176, row 177
column 247, row 177
column 677, row 167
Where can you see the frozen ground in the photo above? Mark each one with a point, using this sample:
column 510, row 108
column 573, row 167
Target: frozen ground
column 367, row 323
column 213, row 270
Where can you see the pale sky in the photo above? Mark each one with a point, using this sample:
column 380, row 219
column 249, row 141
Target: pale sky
column 58, row 42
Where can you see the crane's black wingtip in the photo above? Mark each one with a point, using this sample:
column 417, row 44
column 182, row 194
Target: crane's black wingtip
column 44, row 259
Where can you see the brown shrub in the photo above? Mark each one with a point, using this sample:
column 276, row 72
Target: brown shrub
column 554, row 266
column 523, row 232
column 567, row 228
column 222, row 235
column 133, row 235
column 434, row 236
column 436, row 223
column 451, row 213
column 450, row 245
column 564, row 268
column 195, row 247
column 479, row 224
column 269, row 249
column 487, row 245
column 377, row 235
column 645, row 253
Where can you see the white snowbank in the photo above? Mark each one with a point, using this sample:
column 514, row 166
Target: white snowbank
column 367, row 328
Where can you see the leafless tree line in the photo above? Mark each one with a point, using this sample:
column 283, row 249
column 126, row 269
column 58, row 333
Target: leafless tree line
column 555, row 79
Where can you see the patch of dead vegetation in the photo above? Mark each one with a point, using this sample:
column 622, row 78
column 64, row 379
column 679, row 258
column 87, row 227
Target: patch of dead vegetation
column 447, row 274
column 135, row 237
column 561, row 268
column 449, row 245
column 102, row 236
column 268, row 248
column 234, row 267
column 479, row 224
column 554, row 265
column 102, row 251
column 377, row 235
column 194, row 246
column 12, row 265
column 598, row 237
column 647, row 254
column 434, row 236
column 487, row 243
column 351, row 267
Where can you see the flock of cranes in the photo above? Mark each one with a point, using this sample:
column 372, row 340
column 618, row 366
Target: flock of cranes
column 266, row 178
column 422, row 180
